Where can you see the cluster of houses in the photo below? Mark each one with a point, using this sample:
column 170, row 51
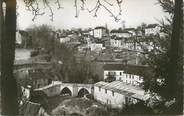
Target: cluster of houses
column 101, row 37
column 125, row 88
column 121, row 81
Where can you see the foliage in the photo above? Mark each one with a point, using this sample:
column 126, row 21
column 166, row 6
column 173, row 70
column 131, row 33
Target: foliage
column 73, row 68
column 42, row 36
column 137, row 109
column 160, row 84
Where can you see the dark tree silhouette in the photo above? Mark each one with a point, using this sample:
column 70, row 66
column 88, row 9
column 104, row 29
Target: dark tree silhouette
column 176, row 62
column 8, row 82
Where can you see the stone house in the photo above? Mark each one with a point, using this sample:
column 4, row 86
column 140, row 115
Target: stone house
column 120, row 33
column 152, row 29
column 117, row 94
column 99, row 32
column 130, row 74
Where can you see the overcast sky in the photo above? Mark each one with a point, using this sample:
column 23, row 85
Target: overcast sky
column 134, row 13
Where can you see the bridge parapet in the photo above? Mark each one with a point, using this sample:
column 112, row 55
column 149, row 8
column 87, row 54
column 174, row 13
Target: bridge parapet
column 51, row 90
column 57, row 87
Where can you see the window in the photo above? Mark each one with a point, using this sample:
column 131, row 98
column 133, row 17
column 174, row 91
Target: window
column 112, row 93
column 120, row 73
column 99, row 88
column 105, row 90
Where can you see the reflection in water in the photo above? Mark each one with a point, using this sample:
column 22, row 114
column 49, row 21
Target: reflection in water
column 22, row 54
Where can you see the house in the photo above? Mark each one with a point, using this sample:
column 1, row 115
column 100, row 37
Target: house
column 96, row 47
column 130, row 74
column 117, row 94
column 120, row 33
column 23, row 39
column 131, row 30
column 99, row 32
column 123, row 43
column 64, row 39
column 152, row 29
column 130, row 44
column 117, row 42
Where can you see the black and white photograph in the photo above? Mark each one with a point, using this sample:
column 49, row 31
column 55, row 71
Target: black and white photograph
column 91, row 57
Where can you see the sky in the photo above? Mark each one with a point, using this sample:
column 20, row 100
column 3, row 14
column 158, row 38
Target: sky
column 134, row 12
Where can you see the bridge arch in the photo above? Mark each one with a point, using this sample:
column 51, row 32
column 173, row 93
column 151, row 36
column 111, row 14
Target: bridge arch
column 66, row 91
column 82, row 92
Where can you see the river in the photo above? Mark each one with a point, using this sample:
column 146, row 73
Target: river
column 22, row 54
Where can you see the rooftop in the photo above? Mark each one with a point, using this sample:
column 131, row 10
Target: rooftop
column 130, row 29
column 119, row 31
column 152, row 25
column 100, row 27
column 123, row 88
column 130, row 69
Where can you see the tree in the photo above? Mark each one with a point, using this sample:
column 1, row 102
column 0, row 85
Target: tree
column 137, row 109
column 166, row 62
column 43, row 37
column 176, row 63
column 8, row 82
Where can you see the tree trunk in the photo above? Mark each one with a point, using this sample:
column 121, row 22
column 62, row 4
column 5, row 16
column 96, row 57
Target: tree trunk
column 8, row 82
column 176, row 54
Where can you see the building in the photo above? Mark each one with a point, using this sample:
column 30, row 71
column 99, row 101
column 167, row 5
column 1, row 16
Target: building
column 120, row 33
column 131, row 30
column 117, row 42
column 123, row 43
column 152, row 29
column 96, row 47
column 64, row 39
column 23, row 39
column 99, row 32
column 117, row 94
column 130, row 74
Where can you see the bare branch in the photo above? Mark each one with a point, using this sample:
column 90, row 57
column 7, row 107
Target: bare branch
column 33, row 5
column 99, row 5
column 51, row 12
column 108, row 3
column 59, row 4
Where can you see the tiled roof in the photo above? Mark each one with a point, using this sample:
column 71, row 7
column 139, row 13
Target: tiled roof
column 123, row 88
column 100, row 27
column 119, row 31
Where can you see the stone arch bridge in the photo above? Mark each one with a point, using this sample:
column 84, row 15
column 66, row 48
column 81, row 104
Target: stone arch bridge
column 72, row 89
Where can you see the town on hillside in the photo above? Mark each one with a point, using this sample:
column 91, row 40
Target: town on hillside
column 91, row 57
column 104, row 67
